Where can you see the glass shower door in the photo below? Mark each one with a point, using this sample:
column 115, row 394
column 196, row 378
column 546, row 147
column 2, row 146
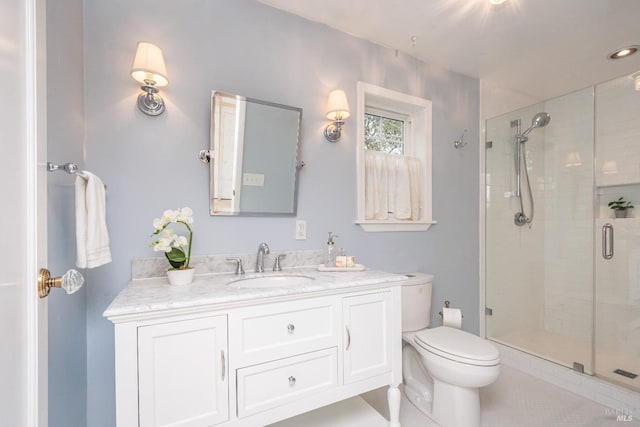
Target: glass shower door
column 539, row 277
column 617, row 255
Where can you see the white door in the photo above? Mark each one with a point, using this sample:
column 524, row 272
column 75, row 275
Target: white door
column 23, row 366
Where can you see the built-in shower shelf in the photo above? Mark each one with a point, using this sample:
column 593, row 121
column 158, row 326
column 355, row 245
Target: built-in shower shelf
column 620, row 219
column 616, row 184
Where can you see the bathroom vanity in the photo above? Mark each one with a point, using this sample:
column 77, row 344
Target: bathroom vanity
column 232, row 352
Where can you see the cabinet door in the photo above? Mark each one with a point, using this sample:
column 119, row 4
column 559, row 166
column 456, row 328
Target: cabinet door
column 367, row 335
column 182, row 373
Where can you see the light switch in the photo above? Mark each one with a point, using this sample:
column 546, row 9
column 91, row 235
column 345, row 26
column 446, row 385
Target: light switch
column 253, row 179
column 301, row 229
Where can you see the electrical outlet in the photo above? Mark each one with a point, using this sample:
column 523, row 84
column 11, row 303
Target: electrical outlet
column 301, row 229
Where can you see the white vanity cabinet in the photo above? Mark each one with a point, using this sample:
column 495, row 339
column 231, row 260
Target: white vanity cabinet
column 258, row 361
column 182, row 373
column 369, row 337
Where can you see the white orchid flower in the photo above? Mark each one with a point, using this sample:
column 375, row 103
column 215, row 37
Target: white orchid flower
column 180, row 242
column 185, row 215
column 163, row 245
column 168, row 240
column 158, row 223
column 169, row 216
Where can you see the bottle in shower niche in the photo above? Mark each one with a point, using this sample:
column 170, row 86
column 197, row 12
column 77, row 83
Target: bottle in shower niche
column 330, row 255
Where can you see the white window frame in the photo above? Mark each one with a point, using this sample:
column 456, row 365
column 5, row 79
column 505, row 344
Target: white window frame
column 417, row 144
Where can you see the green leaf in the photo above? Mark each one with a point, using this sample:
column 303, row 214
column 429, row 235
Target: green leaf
column 176, row 257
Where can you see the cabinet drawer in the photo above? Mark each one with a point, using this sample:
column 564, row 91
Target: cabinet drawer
column 272, row 384
column 280, row 330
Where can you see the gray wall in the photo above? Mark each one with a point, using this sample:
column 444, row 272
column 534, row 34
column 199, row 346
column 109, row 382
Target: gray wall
column 150, row 164
column 65, row 134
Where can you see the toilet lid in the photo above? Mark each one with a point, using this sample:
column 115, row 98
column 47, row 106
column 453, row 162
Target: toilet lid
column 458, row 345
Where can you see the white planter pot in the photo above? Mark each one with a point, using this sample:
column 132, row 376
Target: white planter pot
column 181, row 277
column 621, row 213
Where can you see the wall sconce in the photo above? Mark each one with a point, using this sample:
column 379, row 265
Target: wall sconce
column 148, row 68
column 337, row 112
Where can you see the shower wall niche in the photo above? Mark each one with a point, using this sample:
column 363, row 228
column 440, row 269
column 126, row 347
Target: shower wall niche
column 551, row 292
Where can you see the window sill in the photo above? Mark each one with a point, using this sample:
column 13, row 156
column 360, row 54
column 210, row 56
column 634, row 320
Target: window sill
column 374, row 226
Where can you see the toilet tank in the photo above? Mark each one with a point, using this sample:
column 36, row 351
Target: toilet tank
column 416, row 301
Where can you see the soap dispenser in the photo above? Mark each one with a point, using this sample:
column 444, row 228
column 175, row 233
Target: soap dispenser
column 330, row 256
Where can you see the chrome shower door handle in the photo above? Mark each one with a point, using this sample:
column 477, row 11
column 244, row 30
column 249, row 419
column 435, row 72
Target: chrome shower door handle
column 607, row 241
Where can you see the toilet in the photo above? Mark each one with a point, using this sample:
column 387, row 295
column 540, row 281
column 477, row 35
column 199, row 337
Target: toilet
column 443, row 367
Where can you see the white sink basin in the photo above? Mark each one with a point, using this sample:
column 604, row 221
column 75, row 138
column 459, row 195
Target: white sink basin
column 271, row 281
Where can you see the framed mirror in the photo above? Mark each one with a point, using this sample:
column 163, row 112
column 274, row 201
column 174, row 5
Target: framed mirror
column 254, row 156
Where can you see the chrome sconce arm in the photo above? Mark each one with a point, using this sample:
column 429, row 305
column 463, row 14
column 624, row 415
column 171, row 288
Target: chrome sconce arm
column 333, row 131
column 150, row 102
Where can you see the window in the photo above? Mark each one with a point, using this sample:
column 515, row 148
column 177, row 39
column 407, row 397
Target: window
column 394, row 160
column 384, row 131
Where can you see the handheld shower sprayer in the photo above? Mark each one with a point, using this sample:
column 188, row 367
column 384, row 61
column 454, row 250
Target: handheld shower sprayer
column 539, row 120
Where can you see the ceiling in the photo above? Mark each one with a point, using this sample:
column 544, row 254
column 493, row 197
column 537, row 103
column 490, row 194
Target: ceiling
column 542, row 48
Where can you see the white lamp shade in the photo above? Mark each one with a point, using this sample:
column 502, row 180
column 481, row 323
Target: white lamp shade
column 573, row 159
column 338, row 106
column 148, row 64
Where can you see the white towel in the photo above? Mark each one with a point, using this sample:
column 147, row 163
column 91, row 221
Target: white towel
column 92, row 237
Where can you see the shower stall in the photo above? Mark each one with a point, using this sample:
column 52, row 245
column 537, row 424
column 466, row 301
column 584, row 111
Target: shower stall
column 564, row 284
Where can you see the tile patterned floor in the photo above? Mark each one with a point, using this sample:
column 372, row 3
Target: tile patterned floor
column 520, row 400
column 565, row 350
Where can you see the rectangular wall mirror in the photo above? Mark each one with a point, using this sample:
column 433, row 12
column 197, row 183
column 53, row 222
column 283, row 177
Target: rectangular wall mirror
column 254, row 156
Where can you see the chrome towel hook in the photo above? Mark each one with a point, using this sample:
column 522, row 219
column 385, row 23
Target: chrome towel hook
column 461, row 142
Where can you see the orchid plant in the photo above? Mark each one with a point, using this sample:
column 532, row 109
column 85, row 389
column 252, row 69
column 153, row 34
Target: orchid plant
column 176, row 248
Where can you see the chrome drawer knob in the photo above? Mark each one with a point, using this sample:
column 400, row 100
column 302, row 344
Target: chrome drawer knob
column 291, row 328
column 292, row 381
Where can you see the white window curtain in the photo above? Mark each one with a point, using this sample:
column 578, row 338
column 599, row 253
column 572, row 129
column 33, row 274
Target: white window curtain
column 392, row 186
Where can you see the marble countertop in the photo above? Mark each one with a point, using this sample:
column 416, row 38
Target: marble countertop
column 143, row 296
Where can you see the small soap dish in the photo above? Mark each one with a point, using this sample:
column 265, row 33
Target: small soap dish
column 356, row 267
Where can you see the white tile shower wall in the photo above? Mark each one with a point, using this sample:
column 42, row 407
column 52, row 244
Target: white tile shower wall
column 514, row 265
column 495, row 100
column 568, row 279
column 618, row 132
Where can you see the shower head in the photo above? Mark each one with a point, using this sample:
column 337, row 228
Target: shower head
column 539, row 120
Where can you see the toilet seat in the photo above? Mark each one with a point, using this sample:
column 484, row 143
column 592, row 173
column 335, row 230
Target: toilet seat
column 457, row 345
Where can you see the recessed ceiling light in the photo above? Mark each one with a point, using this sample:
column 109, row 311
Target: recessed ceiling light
column 623, row 52
column 496, row 2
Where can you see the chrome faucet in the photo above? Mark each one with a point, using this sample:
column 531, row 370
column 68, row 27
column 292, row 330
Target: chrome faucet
column 263, row 250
